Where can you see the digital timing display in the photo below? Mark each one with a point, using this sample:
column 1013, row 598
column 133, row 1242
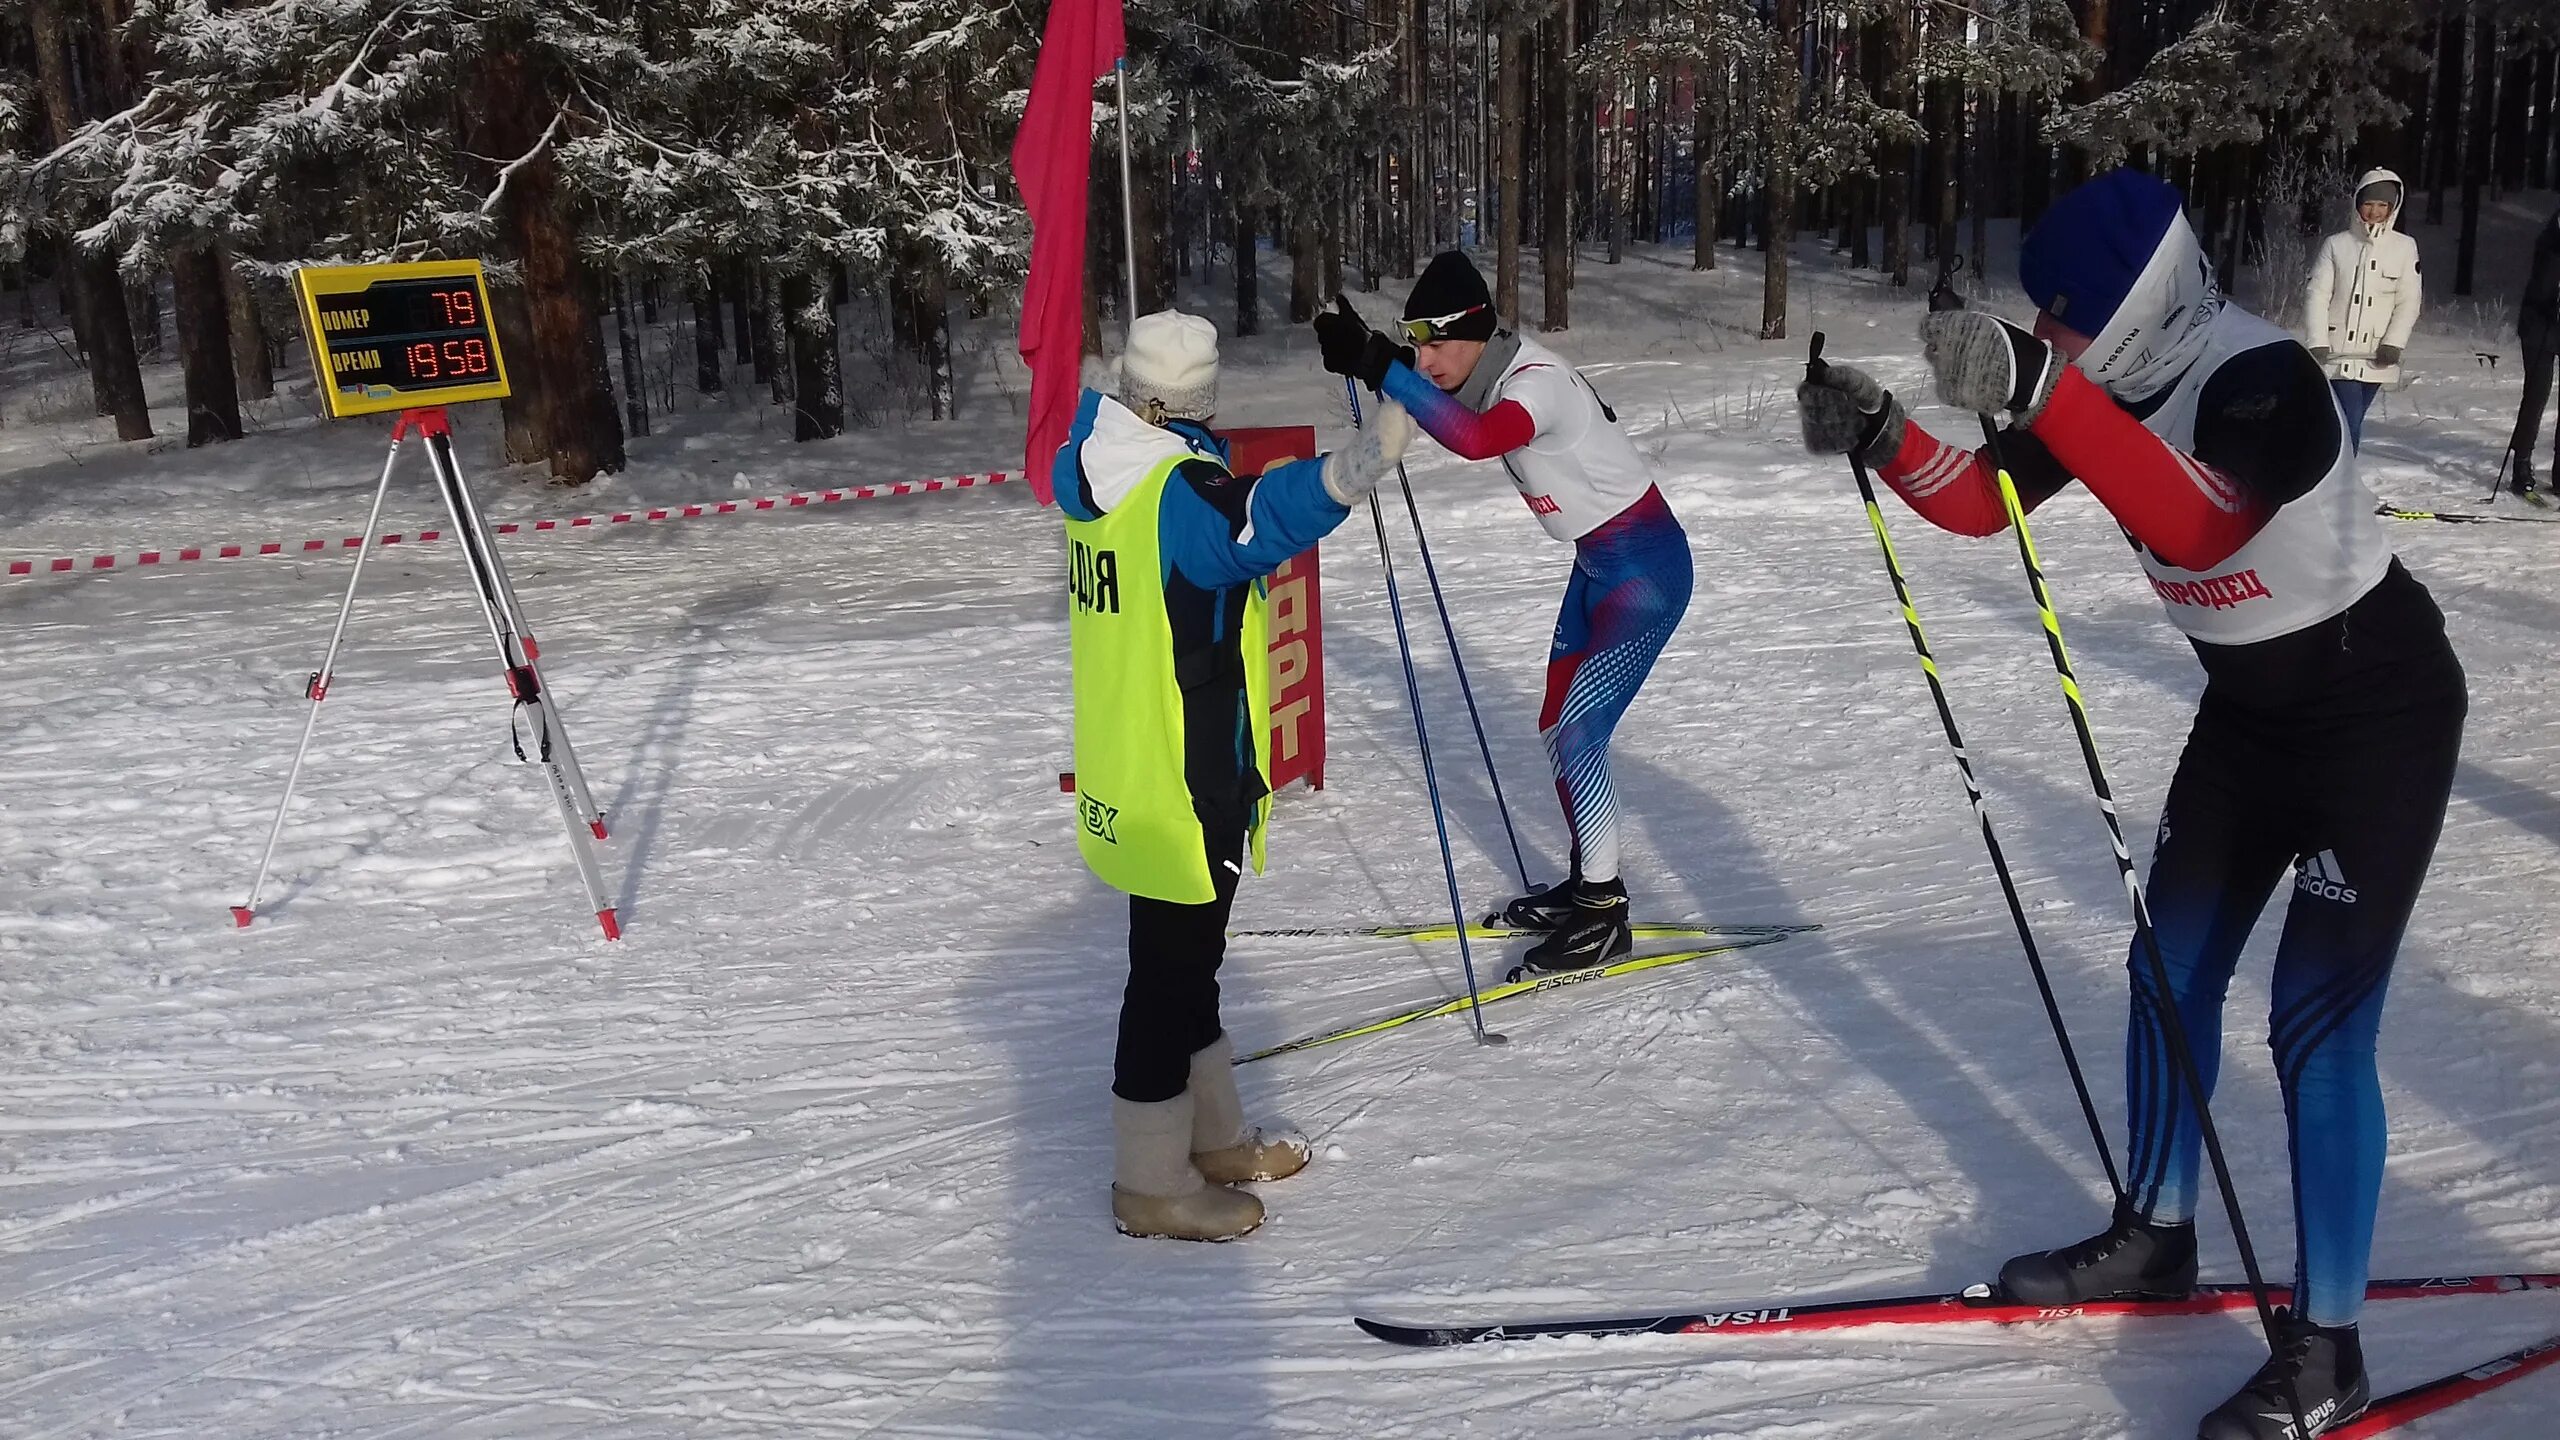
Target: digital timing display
column 392, row 337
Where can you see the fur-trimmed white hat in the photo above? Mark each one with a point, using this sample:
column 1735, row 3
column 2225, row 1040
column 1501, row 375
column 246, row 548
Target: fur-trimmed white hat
column 1171, row 365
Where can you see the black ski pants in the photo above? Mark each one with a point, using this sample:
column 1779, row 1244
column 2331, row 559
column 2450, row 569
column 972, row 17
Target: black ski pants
column 2352, row 809
column 2537, row 394
column 1170, row 1009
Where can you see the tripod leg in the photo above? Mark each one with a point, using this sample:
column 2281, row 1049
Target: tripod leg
column 555, row 735
column 317, row 688
column 516, row 653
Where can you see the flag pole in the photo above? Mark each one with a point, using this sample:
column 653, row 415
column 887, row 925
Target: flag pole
column 1128, row 212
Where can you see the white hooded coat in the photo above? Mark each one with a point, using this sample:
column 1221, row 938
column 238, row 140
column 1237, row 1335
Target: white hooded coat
column 2363, row 294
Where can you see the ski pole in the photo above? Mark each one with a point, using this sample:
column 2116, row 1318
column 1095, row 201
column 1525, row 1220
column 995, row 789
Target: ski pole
column 1422, row 735
column 2146, row 941
column 2498, row 481
column 1458, row 662
column 1814, row 367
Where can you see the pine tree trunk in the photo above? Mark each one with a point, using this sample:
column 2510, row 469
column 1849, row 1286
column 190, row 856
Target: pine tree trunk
column 1985, row 135
column 142, row 302
column 2444, row 99
column 741, row 285
column 2478, row 96
column 1778, row 119
column 525, row 414
column 1710, row 180
column 204, row 345
column 708, row 378
column 1248, row 273
column 1303, row 258
column 1511, row 102
column 635, row 382
column 1336, row 222
column 774, row 337
column 1895, row 209
column 2538, row 145
column 1948, row 121
column 1622, row 194
column 810, row 322
column 2096, row 27
column 1555, row 251
column 252, row 364
column 567, row 351
column 97, row 294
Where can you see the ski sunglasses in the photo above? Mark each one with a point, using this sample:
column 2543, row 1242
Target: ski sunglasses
column 1435, row 327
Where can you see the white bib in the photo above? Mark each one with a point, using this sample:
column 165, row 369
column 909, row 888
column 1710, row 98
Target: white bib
column 1580, row 471
column 2319, row 555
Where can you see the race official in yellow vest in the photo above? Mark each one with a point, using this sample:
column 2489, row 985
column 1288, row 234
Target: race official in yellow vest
column 1167, row 553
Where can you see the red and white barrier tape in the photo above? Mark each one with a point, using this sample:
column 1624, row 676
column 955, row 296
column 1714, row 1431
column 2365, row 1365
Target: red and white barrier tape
column 66, row 563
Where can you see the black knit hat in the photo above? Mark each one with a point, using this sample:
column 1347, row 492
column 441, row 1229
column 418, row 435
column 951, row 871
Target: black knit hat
column 1448, row 285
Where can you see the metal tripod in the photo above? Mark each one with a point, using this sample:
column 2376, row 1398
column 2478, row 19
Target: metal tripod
column 537, row 721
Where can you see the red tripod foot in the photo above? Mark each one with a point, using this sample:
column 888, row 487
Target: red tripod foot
column 612, row 927
column 241, row 915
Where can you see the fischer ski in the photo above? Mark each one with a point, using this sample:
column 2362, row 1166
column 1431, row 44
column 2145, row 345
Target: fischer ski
column 2390, row 511
column 2402, row 1406
column 1508, row 990
column 1975, row 1304
column 1492, row 928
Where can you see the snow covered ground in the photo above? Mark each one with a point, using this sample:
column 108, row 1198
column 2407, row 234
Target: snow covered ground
column 821, row 1148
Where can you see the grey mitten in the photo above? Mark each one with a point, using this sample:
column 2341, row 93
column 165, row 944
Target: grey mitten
column 1355, row 469
column 1987, row 365
column 1846, row 412
column 2386, row 356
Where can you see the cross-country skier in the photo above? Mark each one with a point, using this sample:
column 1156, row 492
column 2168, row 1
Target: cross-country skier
column 2325, row 740
column 1168, row 550
column 2362, row 300
column 2538, row 336
column 1492, row 394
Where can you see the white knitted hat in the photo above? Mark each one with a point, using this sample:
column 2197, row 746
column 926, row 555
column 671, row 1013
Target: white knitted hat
column 1172, row 364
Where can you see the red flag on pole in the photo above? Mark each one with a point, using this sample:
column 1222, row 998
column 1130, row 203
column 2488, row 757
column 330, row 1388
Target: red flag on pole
column 1053, row 163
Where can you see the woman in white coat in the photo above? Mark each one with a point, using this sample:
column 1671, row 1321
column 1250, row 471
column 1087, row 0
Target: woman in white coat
column 2362, row 301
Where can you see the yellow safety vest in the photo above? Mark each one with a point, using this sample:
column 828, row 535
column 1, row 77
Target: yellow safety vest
column 1134, row 818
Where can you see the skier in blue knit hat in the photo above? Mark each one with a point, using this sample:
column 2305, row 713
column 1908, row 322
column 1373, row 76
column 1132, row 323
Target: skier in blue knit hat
column 2324, row 744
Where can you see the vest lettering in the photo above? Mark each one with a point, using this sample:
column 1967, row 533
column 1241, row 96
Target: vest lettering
column 1093, row 577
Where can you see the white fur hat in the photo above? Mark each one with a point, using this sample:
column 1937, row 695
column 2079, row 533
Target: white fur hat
column 1172, row 364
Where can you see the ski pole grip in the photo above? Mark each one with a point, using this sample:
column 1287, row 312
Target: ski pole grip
column 1815, row 367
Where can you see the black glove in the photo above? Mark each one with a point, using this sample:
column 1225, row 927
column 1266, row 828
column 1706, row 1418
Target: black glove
column 2386, row 355
column 1351, row 348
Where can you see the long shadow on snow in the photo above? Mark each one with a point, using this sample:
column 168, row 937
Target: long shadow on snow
column 638, row 809
column 1728, row 874
column 1172, row 1319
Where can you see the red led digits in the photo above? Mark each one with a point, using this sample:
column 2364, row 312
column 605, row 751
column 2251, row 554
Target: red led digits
column 422, row 361
column 460, row 308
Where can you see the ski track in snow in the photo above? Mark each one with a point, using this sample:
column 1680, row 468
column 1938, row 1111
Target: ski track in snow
column 821, row 1148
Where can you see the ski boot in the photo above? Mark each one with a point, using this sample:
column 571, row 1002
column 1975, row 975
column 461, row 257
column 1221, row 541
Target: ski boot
column 1541, row 908
column 2520, row 478
column 2132, row 1259
column 2319, row 1368
column 1593, row 932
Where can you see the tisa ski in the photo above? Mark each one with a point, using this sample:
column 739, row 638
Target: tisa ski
column 1508, row 990
column 2400, row 1407
column 1977, row 1304
column 1494, row 929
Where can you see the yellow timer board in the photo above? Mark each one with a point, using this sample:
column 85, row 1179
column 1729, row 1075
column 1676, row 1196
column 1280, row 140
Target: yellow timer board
column 400, row 337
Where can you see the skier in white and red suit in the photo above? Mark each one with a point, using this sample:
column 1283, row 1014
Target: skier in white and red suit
column 2325, row 741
